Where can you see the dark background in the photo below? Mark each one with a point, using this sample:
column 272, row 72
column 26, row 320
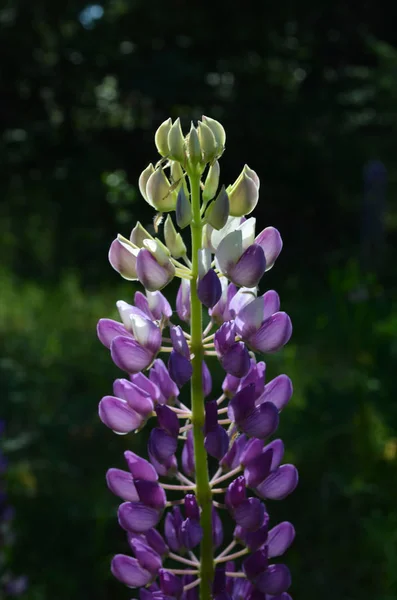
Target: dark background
column 307, row 93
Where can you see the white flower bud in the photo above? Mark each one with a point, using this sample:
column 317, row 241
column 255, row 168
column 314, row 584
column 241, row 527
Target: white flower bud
column 244, row 193
column 207, row 142
column 176, row 142
column 143, row 179
column 218, row 211
column 161, row 137
column 173, row 239
column 138, row 234
column 211, row 182
column 159, row 192
column 193, row 146
column 218, row 131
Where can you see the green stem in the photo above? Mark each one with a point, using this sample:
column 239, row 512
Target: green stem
column 203, row 489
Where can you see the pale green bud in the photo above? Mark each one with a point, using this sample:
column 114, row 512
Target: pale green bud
column 207, row 142
column 173, row 239
column 138, row 234
column 244, row 193
column 143, row 179
column 159, row 192
column 218, row 131
column 161, row 137
column 218, row 212
column 183, row 210
column 211, row 182
column 193, row 146
column 176, row 142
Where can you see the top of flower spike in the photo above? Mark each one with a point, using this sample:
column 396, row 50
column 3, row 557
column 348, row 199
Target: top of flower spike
column 203, row 144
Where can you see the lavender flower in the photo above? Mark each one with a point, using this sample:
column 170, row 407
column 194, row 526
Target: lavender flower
column 227, row 262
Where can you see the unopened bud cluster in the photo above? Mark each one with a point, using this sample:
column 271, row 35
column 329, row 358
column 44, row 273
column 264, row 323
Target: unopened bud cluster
column 232, row 429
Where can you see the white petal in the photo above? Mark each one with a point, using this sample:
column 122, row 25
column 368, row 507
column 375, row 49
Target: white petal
column 230, row 250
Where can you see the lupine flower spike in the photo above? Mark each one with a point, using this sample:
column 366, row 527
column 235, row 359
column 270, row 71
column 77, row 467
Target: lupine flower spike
column 214, row 455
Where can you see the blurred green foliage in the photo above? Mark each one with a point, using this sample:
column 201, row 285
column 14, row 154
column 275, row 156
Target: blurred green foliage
column 307, row 93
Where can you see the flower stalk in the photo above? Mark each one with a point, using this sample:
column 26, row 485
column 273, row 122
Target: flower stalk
column 203, row 489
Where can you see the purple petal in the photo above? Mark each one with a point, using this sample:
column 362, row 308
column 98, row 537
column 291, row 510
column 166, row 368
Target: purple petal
column 217, row 442
column 225, row 337
column 221, row 311
column 139, row 467
column 188, row 464
column 168, row 419
column 232, row 458
column 243, row 297
column 151, row 274
column 161, row 445
column 277, row 447
column 271, row 243
column 137, row 517
column 262, row 422
column 273, row 334
column 249, row 269
column 255, row 564
column 258, row 469
column 142, row 303
column 180, row 368
column 254, row 539
column 183, row 301
column 255, row 375
column 252, row 450
column 151, row 493
column 155, row 540
column 280, row 539
column 136, row 397
column 191, row 507
column 275, row 580
column 209, row 289
column 236, row 493
column 146, row 333
column 172, row 527
column 191, row 533
column 251, row 317
column 159, row 375
column 147, row 557
column 159, row 305
column 236, row 360
column 130, row 356
column 207, row 380
column 249, row 514
column 165, row 468
column 170, row 584
column 107, row 330
column 118, row 416
column 123, row 259
column 179, row 342
column 243, row 403
column 230, row 384
column 278, row 391
column 145, row 384
column 279, row 484
column 217, row 529
column 128, row 570
column 121, row 483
